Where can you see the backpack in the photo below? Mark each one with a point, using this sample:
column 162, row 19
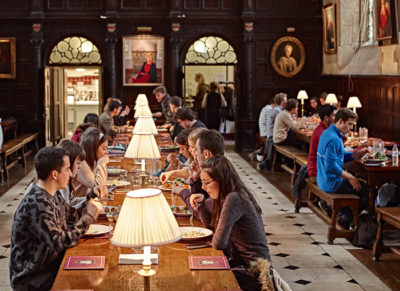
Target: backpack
column 365, row 234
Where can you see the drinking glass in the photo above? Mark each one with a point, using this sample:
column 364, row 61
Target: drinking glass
column 381, row 147
column 375, row 146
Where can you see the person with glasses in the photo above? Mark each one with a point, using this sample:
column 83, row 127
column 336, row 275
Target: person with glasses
column 235, row 218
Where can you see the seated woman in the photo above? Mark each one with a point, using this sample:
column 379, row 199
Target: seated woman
column 93, row 170
column 235, row 219
column 147, row 73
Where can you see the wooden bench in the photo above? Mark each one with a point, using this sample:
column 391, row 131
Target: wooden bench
column 296, row 155
column 15, row 145
column 336, row 201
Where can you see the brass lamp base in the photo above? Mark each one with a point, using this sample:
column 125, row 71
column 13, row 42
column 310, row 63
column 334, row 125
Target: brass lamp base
column 143, row 177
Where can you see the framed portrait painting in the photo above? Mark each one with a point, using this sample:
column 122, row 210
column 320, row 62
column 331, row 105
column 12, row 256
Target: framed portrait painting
column 329, row 29
column 384, row 19
column 7, row 58
column 288, row 56
column 143, row 60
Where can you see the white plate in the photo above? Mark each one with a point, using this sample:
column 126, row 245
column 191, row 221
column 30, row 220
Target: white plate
column 162, row 129
column 97, row 229
column 164, row 189
column 117, row 183
column 187, row 229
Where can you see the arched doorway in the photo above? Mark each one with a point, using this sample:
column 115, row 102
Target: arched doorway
column 72, row 86
column 216, row 60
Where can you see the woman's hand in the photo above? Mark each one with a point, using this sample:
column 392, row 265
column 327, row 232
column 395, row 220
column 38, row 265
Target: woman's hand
column 194, row 171
column 166, row 176
column 195, row 199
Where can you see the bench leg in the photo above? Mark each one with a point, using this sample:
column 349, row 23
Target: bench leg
column 332, row 227
column 378, row 244
column 36, row 146
column 294, row 173
column 5, row 169
column 274, row 161
column 23, row 160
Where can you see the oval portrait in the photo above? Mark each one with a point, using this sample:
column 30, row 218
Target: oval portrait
column 288, row 56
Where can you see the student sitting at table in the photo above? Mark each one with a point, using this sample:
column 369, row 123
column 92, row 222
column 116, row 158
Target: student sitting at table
column 106, row 119
column 331, row 155
column 235, row 219
column 93, row 170
column 186, row 118
column 44, row 225
column 175, row 162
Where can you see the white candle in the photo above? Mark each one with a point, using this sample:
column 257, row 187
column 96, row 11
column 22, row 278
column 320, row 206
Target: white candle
column 143, row 165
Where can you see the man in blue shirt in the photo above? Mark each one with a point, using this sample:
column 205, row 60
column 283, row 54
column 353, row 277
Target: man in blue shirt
column 331, row 155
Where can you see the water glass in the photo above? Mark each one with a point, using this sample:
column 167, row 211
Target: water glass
column 375, row 146
column 381, row 147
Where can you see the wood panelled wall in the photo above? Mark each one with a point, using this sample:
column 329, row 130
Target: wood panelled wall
column 379, row 97
column 255, row 79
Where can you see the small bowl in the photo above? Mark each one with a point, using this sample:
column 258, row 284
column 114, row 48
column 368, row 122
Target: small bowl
column 259, row 158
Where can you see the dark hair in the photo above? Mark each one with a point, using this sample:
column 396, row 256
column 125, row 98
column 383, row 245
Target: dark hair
column 325, row 110
column 182, row 137
column 314, row 98
column 91, row 139
column 323, row 95
column 114, row 104
column 345, row 114
column 291, row 103
column 223, row 172
column 213, row 141
column 279, row 98
column 47, row 160
column 185, row 114
column 85, row 126
column 92, row 118
column 73, row 150
column 160, row 89
column 213, row 86
column 177, row 101
column 270, row 101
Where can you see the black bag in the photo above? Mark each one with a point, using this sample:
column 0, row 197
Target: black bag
column 365, row 234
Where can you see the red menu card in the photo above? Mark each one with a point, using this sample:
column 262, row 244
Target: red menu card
column 208, row 263
column 85, row 263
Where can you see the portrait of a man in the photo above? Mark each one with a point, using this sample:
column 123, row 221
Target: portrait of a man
column 329, row 29
column 287, row 56
column 383, row 19
column 7, row 58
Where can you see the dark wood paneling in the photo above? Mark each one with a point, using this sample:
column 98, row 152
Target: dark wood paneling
column 131, row 4
column 380, row 99
column 55, row 4
column 14, row 5
column 211, row 4
column 192, row 4
column 75, row 4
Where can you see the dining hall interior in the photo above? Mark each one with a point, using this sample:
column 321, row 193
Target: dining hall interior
column 199, row 145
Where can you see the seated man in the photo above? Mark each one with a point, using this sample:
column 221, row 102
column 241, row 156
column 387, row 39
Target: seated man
column 45, row 225
column 175, row 105
column 106, row 118
column 285, row 127
column 331, row 155
column 164, row 99
column 186, row 118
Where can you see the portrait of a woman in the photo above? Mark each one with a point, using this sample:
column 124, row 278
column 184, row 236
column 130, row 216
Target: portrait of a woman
column 384, row 29
column 147, row 73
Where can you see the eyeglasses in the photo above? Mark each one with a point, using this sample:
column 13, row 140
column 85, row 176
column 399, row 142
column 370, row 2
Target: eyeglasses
column 207, row 183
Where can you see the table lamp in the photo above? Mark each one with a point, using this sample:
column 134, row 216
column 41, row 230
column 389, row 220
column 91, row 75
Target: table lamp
column 145, row 220
column 143, row 146
column 331, row 99
column 145, row 124
column 141, row 98
column 142, row 110
column 302, row 95
column 354, row 103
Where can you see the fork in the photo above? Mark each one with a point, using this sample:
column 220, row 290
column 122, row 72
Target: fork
column 191, row 220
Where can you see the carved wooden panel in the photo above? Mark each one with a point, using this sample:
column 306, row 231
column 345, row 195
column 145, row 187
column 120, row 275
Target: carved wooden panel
column 192, row 4
column 214, row 4
column 156, row 4
column 55, row 4
column 14, row 5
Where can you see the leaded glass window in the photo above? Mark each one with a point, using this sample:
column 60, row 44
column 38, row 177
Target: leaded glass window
column 210, row 50
column 75, row 50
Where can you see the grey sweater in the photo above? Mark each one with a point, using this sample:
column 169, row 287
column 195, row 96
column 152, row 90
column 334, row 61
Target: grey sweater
column 44, row 227
column 241, row 226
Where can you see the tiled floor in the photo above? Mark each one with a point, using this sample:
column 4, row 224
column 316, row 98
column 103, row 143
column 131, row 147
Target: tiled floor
column 297, row 240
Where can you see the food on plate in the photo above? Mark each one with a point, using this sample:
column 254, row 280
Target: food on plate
column 192, row 234
column 182, row 210
column 376, row 156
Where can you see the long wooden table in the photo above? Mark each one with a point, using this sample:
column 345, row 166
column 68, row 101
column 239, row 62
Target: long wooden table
column 173, row 271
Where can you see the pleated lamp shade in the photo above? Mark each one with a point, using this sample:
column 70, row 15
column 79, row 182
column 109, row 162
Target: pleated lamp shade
column 142, row 110
column 143, row 146
column 145, row 220
column 145, row 124
column 141, row 99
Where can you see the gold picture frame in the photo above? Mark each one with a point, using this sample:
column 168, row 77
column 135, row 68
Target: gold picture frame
column 329, row 29
column 7, row 58
column 288, row 56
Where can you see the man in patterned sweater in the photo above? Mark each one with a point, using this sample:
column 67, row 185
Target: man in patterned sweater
column 44, row 225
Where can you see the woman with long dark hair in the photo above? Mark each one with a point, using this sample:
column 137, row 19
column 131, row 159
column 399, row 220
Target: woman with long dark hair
column 235, row 219
column 93, row 170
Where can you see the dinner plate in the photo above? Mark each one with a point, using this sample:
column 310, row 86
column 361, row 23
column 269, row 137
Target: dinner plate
column 189, row 229
column 116, row 172
column 97, row 229
column 162, row 129
column 178, row 213
column 169, row 149
column 376, row 160
column 117, row 183
column 164, row 189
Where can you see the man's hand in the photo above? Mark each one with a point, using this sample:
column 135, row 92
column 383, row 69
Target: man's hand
column 196, row 198
column 166, row 126
column 358, row 154
column 165, row 177
column 194, row 171
column 93, row 208
column 157, row 114
column 355, row 183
